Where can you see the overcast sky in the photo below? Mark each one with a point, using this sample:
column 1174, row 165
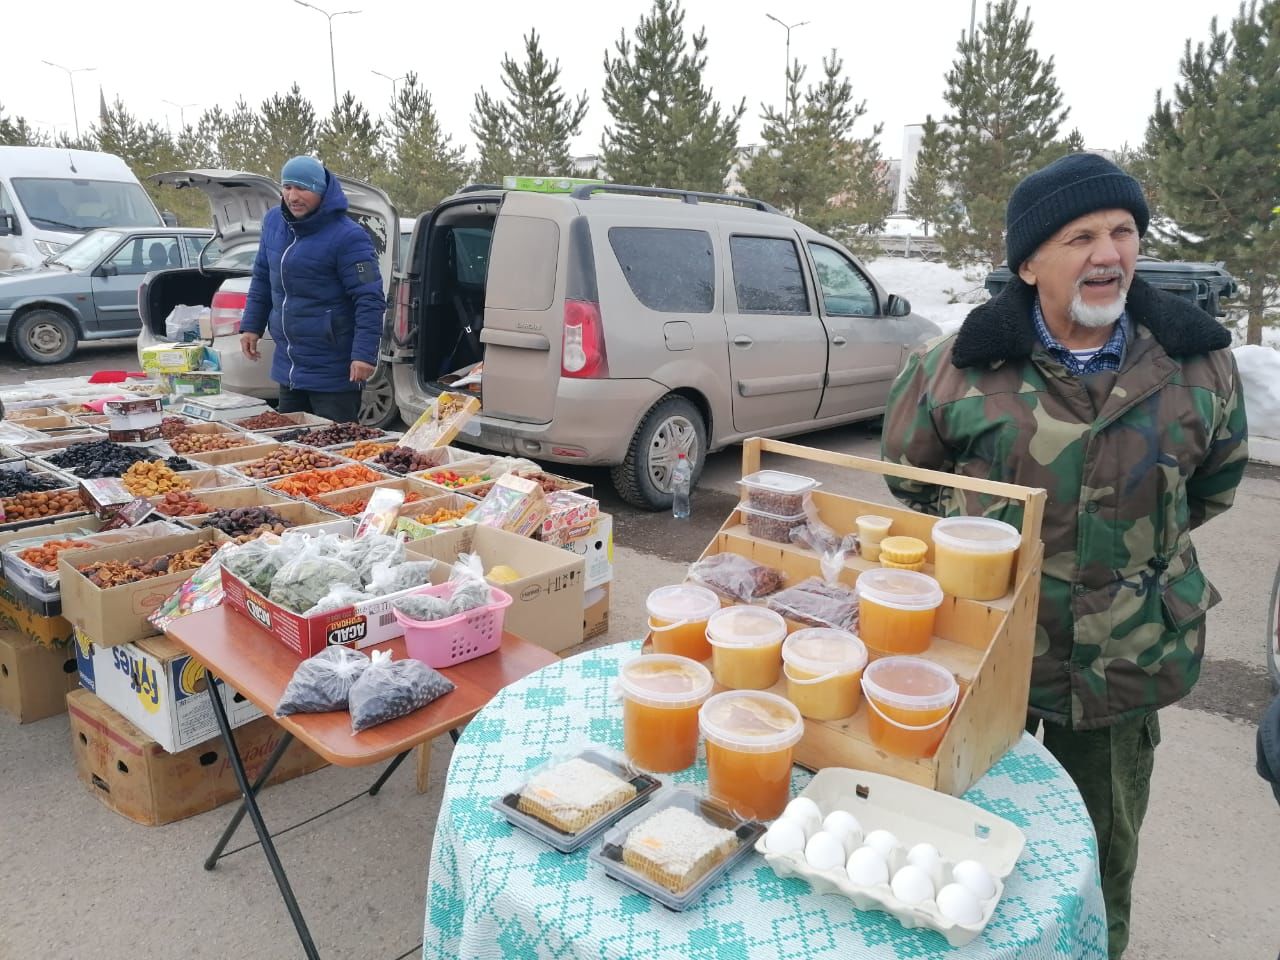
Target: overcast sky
column 1110, row 55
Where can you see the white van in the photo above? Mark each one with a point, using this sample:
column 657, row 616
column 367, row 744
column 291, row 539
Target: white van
column 51, row 197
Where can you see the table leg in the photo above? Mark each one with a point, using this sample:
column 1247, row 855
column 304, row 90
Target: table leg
column 259, row 825
column 386, row 774
column 212, row 860
column 424, row 761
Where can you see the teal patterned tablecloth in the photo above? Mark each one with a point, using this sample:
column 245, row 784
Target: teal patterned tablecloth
column 494, row 892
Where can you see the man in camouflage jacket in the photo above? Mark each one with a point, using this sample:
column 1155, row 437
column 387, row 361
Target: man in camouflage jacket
column 1123, row 402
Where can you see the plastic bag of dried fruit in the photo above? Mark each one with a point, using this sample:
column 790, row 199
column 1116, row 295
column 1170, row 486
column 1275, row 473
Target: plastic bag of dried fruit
column 393, row 688
column 323, row 682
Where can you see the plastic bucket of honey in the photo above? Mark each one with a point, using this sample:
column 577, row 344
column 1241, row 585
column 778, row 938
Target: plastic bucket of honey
column 750, row 735
column 824, row 668
column 746, row 647
column 909, row 702
column 896, row 610
column 973, row 556
column 678, row 617
column 661, row 695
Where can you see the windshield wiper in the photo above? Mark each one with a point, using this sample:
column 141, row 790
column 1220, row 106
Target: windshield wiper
column 59, row 223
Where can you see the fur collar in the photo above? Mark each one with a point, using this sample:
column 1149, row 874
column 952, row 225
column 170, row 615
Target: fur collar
column 1002, row 329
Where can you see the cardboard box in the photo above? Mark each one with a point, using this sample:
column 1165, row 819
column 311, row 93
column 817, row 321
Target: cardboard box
column 118, row 615
column 172, row 357
column 359, row 625
column 134, row 776
column 547, row 601
column 233, row 455
column 595, row 611
column 34, row 679
column 159, row 687
column 595, row 547
column 48, row 631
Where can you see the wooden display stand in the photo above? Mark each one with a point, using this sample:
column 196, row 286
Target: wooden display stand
column 986, row 645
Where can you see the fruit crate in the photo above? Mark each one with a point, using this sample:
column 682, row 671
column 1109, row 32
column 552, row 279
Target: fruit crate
column 987, row 645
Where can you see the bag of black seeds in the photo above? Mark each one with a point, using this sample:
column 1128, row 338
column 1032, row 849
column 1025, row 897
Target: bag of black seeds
column 323, row 682
column 390, row 689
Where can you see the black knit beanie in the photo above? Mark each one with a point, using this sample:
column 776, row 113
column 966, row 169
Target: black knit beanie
column 1070, row 187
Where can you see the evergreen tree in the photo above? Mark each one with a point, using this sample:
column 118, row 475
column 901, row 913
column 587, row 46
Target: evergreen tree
column 350, row 141
column 666, row 129
column 286, row 128
column 240, row 146
column 928, row 195
column 1210, row 147
column 1004, row 113
column 16, row 132
column 148, row 149
column 813, row 168
column 423, row 165
column 527, row 132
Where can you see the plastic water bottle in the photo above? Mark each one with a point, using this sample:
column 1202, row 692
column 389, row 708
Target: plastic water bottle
column 681, row 481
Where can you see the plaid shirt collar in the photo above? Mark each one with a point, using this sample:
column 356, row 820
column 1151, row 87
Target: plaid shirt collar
column 1108, row 357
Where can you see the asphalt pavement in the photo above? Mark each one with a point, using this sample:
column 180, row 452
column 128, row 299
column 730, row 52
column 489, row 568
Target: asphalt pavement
column 77, row 880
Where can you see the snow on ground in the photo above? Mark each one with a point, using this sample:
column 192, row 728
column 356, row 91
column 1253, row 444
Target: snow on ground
column 946, row 296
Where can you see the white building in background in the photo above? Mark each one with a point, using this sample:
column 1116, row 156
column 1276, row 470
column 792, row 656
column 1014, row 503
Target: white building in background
column 912, row 135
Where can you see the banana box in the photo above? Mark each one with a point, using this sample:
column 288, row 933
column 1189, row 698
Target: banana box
column 158, row 687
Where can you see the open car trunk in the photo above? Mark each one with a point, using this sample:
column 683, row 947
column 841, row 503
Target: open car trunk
column 163, row 291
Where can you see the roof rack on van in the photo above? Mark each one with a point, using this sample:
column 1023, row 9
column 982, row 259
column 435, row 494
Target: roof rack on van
column 479, row 187
column 585, row 191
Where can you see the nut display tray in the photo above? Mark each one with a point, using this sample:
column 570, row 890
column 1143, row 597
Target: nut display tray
column 914, row 814
column 644, row 783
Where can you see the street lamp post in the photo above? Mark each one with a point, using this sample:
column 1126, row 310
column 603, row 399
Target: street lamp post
column 786, row 93
column 394, row 81
column 72, row 84
column 333, row 70
column 182, row 116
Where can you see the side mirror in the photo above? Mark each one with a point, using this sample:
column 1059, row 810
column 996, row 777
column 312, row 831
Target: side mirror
column 169, row 218
column 897, row 306
column 106, row 270
column 9, row 225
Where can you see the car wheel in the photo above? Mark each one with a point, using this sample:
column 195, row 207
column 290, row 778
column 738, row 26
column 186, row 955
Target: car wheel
column 44, row 336
column 672, row 426
column 378, row 399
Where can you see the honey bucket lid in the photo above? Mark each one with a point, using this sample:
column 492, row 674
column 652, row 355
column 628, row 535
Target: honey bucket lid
column 932, row 685
column 824, row 650
column 665, row 680
column 899, row 589
column 751, row 721
column 682, row 602
column 743, row 626
column 976, row 534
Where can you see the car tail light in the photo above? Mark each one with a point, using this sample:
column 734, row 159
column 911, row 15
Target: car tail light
column 226, row 312
column 400, row 327
column 583, row 353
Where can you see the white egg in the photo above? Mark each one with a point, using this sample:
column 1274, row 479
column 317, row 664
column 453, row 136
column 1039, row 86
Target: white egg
column 976, row 877
column 957, row 902
column 927, row 858
column 912, row 885
column 824, row 851
column 806, row 813
column 786, row 836
column 883, row 842
column 844, row 825
column 867, row 867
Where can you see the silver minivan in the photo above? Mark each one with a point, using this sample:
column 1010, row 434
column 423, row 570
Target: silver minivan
column 621, row 326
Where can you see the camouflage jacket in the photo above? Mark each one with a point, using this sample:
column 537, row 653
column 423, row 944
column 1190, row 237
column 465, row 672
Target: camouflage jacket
column 1131, row 466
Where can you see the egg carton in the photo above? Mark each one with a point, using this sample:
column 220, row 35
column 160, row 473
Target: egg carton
column 957, row 829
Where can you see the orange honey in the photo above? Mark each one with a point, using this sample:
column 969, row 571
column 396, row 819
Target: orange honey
column 661, row 695
column 909, row 701
column 973, row 556
column 678, row 617
column 750, row 737
column 746, row 647
column 896, row 610
column 824, row 668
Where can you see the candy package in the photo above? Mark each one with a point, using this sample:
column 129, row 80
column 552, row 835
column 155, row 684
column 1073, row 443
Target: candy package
column 381, row 513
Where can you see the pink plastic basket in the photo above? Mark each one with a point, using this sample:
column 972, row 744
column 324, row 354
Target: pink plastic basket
column 464, row 636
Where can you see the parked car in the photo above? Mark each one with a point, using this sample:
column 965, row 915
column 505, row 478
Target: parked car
column 89, row 291
column 239, row 201
column 622, row 326
column 50, row 197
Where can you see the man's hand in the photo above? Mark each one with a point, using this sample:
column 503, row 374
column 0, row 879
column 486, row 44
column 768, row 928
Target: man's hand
column 249, row 345
column 361, row 371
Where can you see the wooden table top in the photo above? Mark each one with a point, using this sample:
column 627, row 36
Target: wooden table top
column 235, row 648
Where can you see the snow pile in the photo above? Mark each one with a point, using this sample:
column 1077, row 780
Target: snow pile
column 931, row 288
column 1260, row 373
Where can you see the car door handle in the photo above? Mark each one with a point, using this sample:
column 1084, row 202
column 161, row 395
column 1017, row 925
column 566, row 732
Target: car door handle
column 742, row 341
column 839, row 341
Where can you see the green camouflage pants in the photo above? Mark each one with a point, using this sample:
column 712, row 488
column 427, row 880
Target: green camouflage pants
column 1112, row 768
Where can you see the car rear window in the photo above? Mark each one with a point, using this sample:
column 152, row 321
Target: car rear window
column 669, row 270
column 526, row 252
column 767, row 276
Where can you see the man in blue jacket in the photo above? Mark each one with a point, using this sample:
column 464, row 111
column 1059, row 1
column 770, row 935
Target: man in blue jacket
column 317, row 287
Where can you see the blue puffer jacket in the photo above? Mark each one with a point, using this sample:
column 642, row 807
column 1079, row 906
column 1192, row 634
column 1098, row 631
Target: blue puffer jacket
column 316, row 284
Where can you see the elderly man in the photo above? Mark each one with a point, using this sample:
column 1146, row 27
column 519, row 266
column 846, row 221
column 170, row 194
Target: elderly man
column 317, row 287
column 1124, row 403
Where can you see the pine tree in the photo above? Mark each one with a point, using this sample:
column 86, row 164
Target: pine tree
column 927, row 193
column 1211, row 145
column 239, row 144
column 286, row 128
column 1004, row 113
column 813, row 168
column 148, row 149
column 16, row 132
column 527, row 132
column 666, row 129
column 350, row 141
column 423, row 165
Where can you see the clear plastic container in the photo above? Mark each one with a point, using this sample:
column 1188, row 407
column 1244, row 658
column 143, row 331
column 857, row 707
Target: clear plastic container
column 778, row 493
column 678, row 617
column 897, row 609
column 661, row 695
column 746, row 647
column 771, row 526
column 824, row 668
column 872, row 528
column 973, row 556
column 909, row 703
column 750, row 736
